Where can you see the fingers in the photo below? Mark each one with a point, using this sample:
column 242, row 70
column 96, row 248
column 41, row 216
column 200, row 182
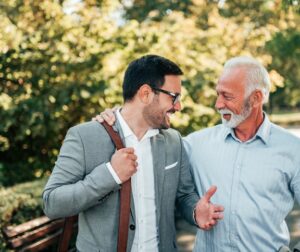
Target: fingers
column 218, row 208
column 133, row 157
column 217, row 216
column 108, row 116
column 129, row 153
column 110, row 112
column 211, row 191
column 98, row 118
column 209, row 225
column 128, row 150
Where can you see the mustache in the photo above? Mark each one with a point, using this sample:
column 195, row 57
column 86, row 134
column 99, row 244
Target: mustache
column 171, row 111
column 225, row 111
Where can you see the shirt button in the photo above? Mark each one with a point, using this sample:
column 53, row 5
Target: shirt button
column 132, row 227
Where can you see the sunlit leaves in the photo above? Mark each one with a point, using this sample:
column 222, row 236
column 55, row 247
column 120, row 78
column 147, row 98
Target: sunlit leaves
column 62, row 62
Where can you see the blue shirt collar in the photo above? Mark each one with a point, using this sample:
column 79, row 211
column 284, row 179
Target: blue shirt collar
column 263, row 132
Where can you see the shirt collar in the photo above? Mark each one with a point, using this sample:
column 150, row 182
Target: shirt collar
column 128, row 132
column 263, row 132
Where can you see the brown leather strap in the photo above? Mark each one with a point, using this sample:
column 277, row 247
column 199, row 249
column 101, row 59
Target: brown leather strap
column 124, row 215
column 124, row 196
column 66, row 234
column 115, row 137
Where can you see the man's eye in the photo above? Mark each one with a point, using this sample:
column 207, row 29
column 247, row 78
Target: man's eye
column 228, row 97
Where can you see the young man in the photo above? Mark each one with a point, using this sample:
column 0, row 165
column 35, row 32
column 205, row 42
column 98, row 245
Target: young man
column 89, row 172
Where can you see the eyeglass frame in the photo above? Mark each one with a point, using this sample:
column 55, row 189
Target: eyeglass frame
column 175, row 96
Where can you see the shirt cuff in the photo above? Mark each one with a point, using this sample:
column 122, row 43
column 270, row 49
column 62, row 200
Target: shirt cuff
column 113, row 173
column 194, row 217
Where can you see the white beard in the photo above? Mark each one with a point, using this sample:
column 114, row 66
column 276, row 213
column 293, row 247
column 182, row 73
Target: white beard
column 235, row 119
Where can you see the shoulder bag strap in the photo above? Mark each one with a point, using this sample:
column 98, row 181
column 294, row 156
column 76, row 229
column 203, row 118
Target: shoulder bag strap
column 125, row 195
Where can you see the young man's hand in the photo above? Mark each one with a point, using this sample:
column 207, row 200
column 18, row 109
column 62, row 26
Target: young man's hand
column 124, row 163
column 206, row 213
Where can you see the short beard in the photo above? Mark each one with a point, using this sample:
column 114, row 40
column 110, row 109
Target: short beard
column 236, row 119
column 154, row 116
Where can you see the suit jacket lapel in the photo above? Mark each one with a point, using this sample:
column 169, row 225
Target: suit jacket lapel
column 158, row 154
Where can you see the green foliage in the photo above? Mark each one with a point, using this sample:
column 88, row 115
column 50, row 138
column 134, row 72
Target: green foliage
column 142, row 10
column 61, row 62
column 19, row 204
column 285, row 45
column 51, row 79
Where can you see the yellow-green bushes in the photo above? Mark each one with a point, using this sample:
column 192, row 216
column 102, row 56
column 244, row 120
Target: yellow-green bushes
column 20, row 203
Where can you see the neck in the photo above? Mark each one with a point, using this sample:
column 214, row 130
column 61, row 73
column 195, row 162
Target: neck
column 248, row 128
column 133, row 116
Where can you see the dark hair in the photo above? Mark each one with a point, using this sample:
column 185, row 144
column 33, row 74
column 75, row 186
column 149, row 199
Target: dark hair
column 149, row 69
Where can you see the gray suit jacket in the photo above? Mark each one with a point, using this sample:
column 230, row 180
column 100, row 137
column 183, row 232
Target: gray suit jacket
column 81, row 184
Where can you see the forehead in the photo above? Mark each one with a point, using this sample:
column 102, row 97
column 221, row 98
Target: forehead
column 172, row 83
column 232, row 81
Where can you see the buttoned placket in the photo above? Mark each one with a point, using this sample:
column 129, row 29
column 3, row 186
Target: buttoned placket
column 238, row 163
column 138, row 188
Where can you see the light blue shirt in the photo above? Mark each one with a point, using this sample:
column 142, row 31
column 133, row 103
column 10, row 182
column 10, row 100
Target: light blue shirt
column 257, row 182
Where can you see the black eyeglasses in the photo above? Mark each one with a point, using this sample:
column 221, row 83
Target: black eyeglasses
column 175, row 96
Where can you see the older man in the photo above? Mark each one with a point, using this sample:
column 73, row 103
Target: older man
column 255, row 163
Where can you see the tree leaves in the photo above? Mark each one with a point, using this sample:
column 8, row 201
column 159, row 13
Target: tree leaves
column 62, row 62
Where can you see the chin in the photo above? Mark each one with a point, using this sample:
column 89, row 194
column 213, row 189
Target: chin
column 228, row 124
column 165, row 126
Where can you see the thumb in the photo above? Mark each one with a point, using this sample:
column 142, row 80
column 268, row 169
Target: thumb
column 210, row 192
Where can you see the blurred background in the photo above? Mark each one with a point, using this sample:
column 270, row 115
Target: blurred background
column 62, row 62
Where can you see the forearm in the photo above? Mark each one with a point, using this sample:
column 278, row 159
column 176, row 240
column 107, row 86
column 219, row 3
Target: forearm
column 187, row 196
column 61, row 200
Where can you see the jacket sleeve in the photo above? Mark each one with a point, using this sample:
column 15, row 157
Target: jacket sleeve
column 187, row 196
column 69, row 189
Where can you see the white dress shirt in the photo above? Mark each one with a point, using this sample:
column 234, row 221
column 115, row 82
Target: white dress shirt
column 142, row 185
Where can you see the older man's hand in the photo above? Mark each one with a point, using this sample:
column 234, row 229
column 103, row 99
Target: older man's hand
column 107, row 115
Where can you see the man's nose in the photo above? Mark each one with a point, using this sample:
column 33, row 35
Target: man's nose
column 177, row 106
column 219, row 103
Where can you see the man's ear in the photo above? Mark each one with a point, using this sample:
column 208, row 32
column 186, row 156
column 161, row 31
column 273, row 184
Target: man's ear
column 257, row 98
column 145, row 94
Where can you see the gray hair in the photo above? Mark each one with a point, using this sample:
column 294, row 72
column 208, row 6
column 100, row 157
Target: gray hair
column 257, row 76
